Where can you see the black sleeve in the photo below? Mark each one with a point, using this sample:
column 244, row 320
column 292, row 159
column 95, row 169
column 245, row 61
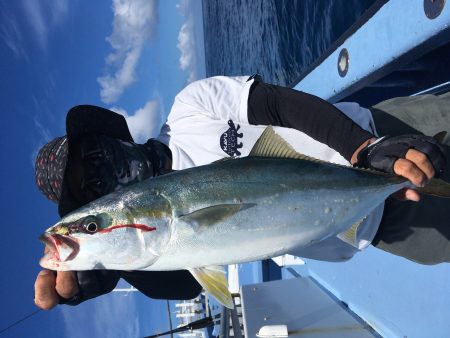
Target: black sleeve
column 176, row 285
column 92, row 284
column 285, row 107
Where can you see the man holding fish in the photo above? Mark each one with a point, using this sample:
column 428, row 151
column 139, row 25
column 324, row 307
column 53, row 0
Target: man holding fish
column 224, row 117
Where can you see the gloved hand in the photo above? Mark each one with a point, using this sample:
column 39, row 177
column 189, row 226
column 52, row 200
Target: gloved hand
column 382, row 154
column 49, row 288
column 415, row 157
column 72, row 287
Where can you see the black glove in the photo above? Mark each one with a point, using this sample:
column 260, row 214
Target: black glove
column 382, row 154
column 92, row 284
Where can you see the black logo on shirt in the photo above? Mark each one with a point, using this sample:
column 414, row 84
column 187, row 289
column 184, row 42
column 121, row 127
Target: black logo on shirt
column 229, row 140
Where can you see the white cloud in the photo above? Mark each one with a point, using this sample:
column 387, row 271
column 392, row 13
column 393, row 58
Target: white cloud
column 186, row 46
column 59, row 11
column 113, row 86
column 190, row 40
column 44, row 136
column 37, row 22
column 145, row 122
column 43, row 117
column 43, row 17
column 10, row 32
column 134, row 23
column 42, row 130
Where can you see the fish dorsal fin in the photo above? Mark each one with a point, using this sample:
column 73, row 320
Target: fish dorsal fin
column 270, row 144
column 214, row 281
column 224, row 159
column 213, row 214
column 349, row 235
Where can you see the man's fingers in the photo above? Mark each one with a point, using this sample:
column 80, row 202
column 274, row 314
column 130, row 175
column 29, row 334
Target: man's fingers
column 66, row 284
column 48, row 288
column 412, row 195
column 422, row 151
column 407, row 195
column 409, row 170
column 416, row 167
column 45, row 295
column 421, row 161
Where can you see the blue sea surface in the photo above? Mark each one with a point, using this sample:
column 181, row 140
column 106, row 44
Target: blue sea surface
column 277, row 39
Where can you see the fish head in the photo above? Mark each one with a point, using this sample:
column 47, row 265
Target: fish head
column 99, row 239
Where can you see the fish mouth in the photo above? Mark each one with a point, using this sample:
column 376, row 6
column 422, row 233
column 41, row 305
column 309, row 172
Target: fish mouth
column 60, row 248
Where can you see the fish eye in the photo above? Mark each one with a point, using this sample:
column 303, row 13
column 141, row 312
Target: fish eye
column 91, row 227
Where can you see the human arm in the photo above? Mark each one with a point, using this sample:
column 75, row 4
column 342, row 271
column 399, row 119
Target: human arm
column 178, row 284
column 285, row 107
column 73, row 288
column 279, row 106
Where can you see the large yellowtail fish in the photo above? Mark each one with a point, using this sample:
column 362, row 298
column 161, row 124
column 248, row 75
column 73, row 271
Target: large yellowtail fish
column 238, row 210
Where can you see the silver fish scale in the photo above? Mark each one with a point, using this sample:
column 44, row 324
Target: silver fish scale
column 292, row 204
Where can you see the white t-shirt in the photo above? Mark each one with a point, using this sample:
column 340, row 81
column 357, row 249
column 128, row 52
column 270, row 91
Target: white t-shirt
column 208, row 121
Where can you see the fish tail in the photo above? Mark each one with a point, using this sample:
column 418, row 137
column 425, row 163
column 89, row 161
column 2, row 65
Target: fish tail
column 436, row 187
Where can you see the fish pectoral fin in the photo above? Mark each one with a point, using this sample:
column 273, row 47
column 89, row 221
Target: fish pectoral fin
column 349, row 235
column 214, row 281
column 216, row 213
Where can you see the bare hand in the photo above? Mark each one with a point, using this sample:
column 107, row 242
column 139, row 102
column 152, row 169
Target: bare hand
column 49, row 287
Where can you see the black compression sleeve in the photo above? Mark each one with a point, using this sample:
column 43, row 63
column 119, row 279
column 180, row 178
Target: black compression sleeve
column 153, row 284
column 285, row 107
column 164, row 284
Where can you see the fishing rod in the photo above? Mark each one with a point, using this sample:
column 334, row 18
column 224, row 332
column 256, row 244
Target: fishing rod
column 195, row 325
column 19, row 321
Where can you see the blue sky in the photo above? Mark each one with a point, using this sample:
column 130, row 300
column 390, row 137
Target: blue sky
column 130, row 55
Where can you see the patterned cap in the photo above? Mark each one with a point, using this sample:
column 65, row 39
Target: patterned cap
column 52, row 158
column 50, row 168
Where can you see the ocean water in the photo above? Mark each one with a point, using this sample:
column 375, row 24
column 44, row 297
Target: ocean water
column 278, row 39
